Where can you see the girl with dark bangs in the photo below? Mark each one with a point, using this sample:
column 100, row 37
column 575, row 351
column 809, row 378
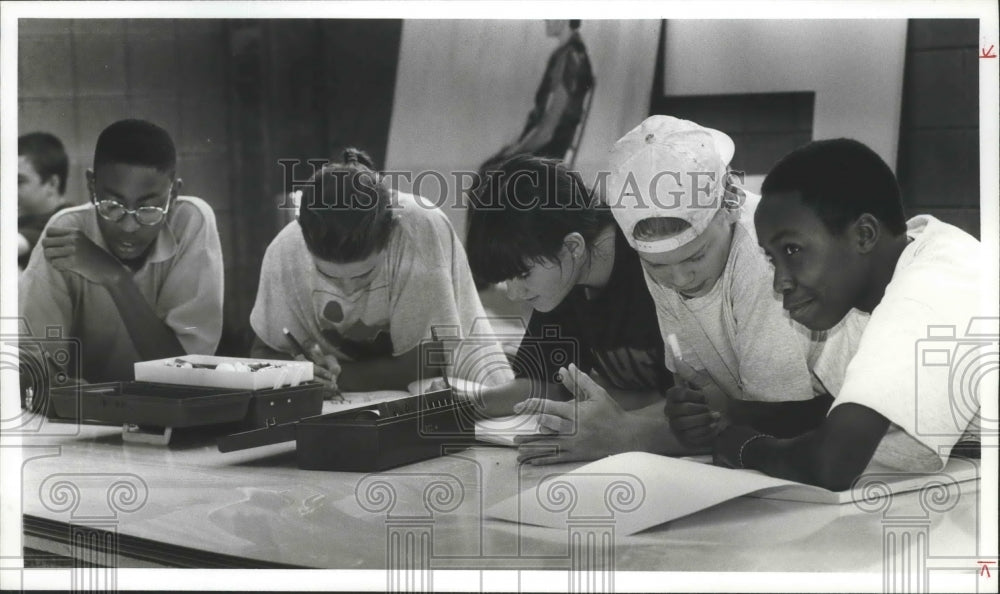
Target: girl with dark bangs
column 536, row 228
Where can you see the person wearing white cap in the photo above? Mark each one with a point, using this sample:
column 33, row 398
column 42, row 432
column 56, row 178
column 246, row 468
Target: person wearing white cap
column 672, row 195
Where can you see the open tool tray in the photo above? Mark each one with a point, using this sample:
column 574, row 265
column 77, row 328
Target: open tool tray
column 371, row 437
column 205, row 370
column 177, row 406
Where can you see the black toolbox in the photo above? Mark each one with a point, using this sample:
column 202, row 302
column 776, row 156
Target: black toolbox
column 370, row 437
column 174, row 405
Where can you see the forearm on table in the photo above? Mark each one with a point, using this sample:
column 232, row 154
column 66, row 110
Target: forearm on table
column 781, row 419
column 832, row 456
column 650, row 432
column 150, row 335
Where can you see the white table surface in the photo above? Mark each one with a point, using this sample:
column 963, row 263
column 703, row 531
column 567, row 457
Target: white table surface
column 257, row 505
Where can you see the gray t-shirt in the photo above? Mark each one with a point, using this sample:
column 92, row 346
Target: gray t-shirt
column 424, row 281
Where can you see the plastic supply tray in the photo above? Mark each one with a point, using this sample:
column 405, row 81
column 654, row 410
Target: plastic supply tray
column 204, row 374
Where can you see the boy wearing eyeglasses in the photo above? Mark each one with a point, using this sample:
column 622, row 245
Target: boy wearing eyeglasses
column 135, row 274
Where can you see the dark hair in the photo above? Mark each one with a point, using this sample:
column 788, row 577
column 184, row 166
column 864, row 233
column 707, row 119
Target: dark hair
column 47, row 156
column 350, row 219
column 522, row 212
column 136, row 142
column 840, row 179
column 574, row 24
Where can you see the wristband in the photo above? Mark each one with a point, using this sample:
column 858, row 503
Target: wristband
column 739, row 455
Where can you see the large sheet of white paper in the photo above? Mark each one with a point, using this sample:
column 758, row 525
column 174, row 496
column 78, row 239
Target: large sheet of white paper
column 503, row 430
column 638, row 490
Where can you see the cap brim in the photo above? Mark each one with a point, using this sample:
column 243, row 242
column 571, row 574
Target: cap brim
column 723, row 145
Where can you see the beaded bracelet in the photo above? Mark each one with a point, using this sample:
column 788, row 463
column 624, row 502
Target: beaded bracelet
column 739, row 455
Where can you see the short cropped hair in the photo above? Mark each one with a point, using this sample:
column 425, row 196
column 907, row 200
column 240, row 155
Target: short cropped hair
column 840, row 179
column 655, row 228
column 521, row 213
column 47, row 156
column 136, row 142
column 574, row 24
column 350, row 218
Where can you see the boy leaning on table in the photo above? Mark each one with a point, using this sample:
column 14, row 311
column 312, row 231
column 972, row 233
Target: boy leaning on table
column 831, row 222
column 136, row 273
column 671, row 193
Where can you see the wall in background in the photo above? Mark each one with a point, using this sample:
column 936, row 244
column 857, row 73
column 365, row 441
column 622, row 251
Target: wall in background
column 235, row 95
column 855, row 67
column 77, row 76
column 464, row 89
column 939, row 132
column 764, row 126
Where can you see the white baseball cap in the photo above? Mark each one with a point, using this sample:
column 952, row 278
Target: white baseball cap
column 668, row 167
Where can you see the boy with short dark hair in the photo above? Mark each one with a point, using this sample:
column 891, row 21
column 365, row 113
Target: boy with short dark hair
column 362, row 278
column 42, row 170
column 831, row 222
column 136, row 273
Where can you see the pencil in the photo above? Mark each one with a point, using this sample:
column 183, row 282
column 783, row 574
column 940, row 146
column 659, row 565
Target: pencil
column 444, row 372
column 296, row 345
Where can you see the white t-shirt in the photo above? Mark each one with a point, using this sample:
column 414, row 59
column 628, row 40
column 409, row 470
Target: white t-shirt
column 918, row 360
column 423, row 281
column 740, row 335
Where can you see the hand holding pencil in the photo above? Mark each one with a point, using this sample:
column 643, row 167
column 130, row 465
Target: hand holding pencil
column 326, row 368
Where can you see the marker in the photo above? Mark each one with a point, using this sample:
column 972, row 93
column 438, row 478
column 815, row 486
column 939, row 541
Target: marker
column 675, row 347
column 675, row 350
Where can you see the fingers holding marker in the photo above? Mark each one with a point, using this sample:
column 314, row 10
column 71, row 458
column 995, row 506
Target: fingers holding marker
column 678, row 395
column 689, row 375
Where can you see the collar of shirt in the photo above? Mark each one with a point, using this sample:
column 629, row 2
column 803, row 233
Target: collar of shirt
column 164, row 247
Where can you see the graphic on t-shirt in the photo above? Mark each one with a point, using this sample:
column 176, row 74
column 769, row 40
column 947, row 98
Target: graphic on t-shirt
column 358, row 328
column 360, row 341
column 333, row 311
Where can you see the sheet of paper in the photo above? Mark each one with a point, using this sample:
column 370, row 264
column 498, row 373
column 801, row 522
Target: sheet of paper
column 881, row 481
column 503, row 430
column 462, row 385
column 349, row 400
column 638, row 490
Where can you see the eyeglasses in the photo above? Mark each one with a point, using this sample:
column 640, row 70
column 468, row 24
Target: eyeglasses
column 114, row 211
